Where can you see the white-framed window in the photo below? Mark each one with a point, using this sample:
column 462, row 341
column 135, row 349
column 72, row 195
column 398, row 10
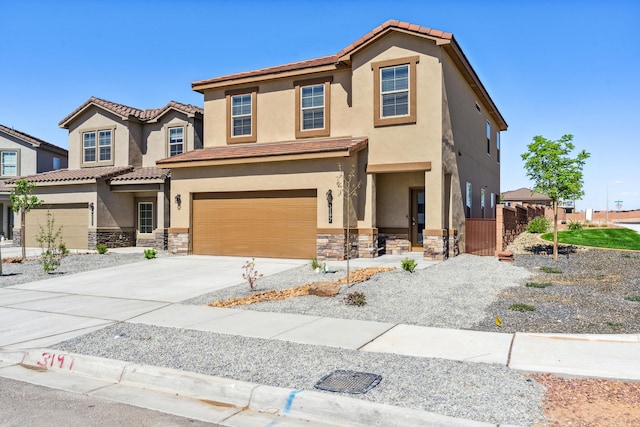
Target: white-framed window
column 145, row 217
column 176, row 141
column 493, row 200
column 89, row 146
column 9, row 160
column 482, row 195
column 241, row 115
column 394, row 91
column 97, row 146
column 468, row 200
column 312, row 106
column 498, row 146
column 488, row 137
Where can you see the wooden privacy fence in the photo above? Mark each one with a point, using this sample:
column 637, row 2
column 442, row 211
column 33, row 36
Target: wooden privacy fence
column 480, row 236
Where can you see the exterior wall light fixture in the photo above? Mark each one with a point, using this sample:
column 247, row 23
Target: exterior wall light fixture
column 330, row 204
column 178, row 200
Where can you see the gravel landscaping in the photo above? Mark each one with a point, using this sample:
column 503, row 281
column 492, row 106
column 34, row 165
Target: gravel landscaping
column 589, row 293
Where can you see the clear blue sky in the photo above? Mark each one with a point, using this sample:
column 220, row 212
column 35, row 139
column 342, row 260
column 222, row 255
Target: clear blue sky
column 552, row 67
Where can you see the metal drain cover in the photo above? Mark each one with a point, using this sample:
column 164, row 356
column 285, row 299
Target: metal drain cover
column 348, row 382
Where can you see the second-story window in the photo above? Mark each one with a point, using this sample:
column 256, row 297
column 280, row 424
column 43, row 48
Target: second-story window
column 9, row 163
column 97, row 148
column 498, row 146
column 394, row 90
column 176, row 141
column 313, row 107
column 395, row 99
column 241, row 115
column 488, row 137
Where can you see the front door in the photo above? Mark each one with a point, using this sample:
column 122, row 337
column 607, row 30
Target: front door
column 417, row 219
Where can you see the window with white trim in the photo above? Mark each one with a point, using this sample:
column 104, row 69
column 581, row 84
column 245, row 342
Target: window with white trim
column 241, row 115
column 9, row 160
column 468, row 200
column 145, row 217
column 498, row 146
column 176, row 141
column 312, row 105
column 97, row 146
column 488, row 137
column 482, row 195
column 394, row 91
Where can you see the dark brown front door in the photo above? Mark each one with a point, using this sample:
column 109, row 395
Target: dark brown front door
column 417, row 219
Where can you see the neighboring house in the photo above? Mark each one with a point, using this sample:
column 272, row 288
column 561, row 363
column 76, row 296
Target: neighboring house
column 525, row 196
column 402, row 106
column 113, row 193
column 23, row 154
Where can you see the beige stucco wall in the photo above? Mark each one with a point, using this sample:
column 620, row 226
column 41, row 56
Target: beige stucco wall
column 321, row 175
column 276, row 110
column 66, row 194
column 156, row 137
column 97, row 119
column 393, row 205
column 468, row 152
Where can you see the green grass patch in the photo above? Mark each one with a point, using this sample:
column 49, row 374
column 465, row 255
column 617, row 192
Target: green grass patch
column 611, row 238
column 635, row 298
column 538, row 285
column 522, row 307
column 551, row 270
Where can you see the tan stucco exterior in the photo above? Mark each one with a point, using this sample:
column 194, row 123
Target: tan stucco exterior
column 440, row 147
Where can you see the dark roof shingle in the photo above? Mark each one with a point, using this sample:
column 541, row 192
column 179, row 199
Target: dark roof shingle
column 67, row 175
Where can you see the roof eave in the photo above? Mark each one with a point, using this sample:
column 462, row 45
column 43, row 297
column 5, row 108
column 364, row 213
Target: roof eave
column 226, row 83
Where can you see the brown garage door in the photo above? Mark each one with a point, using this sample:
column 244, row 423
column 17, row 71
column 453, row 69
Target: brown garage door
column 278, row 224
column 72, row 219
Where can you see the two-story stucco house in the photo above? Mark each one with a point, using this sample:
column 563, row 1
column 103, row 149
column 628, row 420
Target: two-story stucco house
column 401, row 107
column 23, row 154
column 112, row 193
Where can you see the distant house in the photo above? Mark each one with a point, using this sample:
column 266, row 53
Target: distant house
column 401, row 107
column 525, row 196
column 23, row 154
column 112, row 193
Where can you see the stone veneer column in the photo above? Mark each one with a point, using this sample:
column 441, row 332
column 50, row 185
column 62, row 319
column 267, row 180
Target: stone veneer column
column 435, row 244
column 178, row 241
column 368, row 243
column 330, row 244
column 453, row 246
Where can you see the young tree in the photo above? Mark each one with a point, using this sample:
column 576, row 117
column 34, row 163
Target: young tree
column 23, row 201
column 348, row 186
column 555, row 173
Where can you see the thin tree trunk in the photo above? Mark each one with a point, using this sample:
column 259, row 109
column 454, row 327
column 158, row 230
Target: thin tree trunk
column 555, row 231
column 23, row 237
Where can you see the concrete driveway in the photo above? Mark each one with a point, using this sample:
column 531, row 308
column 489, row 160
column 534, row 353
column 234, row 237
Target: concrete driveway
column 46, row 312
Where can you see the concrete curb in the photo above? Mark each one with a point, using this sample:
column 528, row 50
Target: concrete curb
column 289, row 403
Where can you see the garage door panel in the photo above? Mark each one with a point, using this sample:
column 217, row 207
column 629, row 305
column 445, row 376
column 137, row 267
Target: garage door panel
column 273, row 224
column 73, row 220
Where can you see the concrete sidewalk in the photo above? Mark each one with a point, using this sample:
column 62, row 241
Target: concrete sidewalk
column 42, row 314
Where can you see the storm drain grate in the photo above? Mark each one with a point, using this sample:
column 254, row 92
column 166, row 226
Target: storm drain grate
column 348, row 382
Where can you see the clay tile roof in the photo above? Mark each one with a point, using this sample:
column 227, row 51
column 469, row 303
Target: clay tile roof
column 29, row 138
column 69, row 175
column 140, row 174
column 126, row 112
column 524, row 194
column 269, row 149
column 331, row 59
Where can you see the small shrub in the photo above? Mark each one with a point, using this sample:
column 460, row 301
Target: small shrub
column 538, row 285
column 102, row 248
column 315, row 264
column 522, row 307
column 409, row 264
column 250, row 274
column 551, row 270
column 575, row 225
column 355, row 298
column 150, row 253
column 539, row 224
column 635, row 298
column 50, row 240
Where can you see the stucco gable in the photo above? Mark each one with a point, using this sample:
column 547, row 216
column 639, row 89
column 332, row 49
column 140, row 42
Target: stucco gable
column 32, row 140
